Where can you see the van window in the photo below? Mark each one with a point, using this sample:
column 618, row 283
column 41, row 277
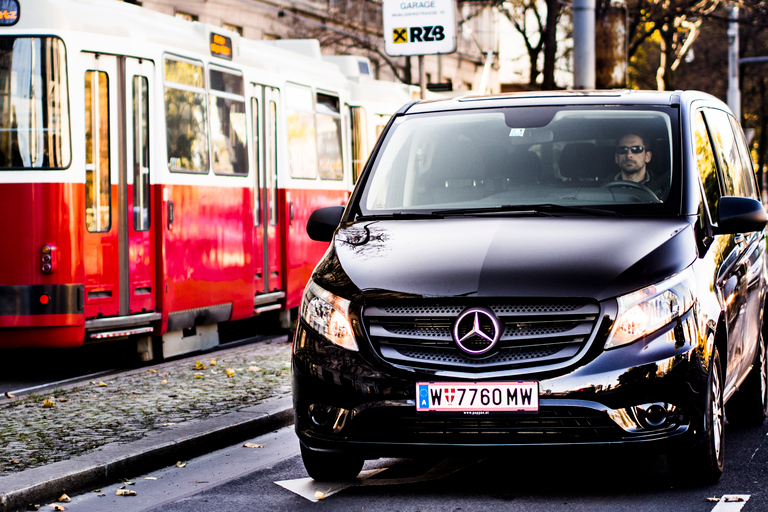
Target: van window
column 705, row 160
column 748, row 177
column 727, row 152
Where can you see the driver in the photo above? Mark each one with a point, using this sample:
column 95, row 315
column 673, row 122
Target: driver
column 632, row 157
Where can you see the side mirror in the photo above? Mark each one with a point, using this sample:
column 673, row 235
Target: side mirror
column 740, row 215
column 323, row 222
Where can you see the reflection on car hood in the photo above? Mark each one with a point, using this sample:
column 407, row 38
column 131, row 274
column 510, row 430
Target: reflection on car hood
column 519, row 257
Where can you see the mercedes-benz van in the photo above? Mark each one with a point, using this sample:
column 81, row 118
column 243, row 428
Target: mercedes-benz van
column 573, row 268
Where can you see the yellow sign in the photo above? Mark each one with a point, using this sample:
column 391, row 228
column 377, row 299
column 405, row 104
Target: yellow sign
column 400, row 35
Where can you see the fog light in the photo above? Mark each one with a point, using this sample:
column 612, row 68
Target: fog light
column 327, row 417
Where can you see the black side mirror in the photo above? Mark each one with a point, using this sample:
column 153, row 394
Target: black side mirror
column 323, row 222
column 740, row 215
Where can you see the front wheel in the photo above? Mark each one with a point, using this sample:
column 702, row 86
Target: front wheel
column 702, row 464
column 330, row 466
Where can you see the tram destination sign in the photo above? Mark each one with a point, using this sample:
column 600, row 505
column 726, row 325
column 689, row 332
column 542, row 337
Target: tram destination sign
column 419, row 28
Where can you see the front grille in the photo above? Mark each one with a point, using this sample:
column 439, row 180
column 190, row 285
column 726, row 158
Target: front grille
column 534, row 334
column 549, row 425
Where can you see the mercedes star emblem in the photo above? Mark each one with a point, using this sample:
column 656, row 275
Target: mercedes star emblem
column 476, row 331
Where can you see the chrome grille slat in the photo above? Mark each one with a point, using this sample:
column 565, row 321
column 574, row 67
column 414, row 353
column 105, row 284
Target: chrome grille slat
column 535, row 333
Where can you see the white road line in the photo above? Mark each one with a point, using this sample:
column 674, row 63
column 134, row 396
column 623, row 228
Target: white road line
column 731, row 502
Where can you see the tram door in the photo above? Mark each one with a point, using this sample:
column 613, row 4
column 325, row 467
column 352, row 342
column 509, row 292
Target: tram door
column 118, row 257
column 265, row 104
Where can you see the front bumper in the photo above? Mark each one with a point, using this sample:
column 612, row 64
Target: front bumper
column 652, row 392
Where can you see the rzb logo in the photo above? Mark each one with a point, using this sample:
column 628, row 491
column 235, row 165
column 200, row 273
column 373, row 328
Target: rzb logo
column 418, row 34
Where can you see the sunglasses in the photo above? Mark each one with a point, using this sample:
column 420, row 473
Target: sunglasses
column 623, row 150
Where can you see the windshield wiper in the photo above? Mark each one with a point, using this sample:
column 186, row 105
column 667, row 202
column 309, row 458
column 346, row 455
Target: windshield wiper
column 546, row 209
column 401, row 216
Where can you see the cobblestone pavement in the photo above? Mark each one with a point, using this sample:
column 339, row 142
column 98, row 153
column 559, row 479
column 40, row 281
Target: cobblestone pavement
column 72, row 420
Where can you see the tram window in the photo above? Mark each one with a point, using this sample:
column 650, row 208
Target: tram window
column 302, row 152
column 358, row 119
column 329, row 137
column 256, row 161
column 271, row 160
column 141, row 211
column 34, row 103
column 185, row 117
column 98, row 214
column 228, row 124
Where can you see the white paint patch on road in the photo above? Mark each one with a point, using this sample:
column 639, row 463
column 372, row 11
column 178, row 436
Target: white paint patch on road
column 731, row 502
column 316, row 491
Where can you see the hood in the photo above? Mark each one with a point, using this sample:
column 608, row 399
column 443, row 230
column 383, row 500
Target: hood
column 511, row 257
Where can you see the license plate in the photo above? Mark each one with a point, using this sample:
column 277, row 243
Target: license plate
column 477, row 396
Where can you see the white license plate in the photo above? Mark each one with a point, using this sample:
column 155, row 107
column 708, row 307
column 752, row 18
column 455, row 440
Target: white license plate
column 477, row 396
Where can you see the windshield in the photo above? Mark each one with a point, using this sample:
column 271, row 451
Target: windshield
column 34, row 107
column 525, row 156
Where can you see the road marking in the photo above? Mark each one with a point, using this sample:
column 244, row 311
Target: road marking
column 316, row 491
column 731, row 502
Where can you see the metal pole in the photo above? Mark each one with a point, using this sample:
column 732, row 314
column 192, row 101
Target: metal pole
column 734, row 92
column 584, row 44
column 422, row 77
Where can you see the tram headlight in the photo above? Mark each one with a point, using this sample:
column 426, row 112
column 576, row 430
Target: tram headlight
column 328, row 314
column 647, row 310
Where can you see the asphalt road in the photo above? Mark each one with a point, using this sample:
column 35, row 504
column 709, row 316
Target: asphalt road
column 269, row 476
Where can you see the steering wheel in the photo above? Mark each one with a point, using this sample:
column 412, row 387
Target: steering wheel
column 633, row 185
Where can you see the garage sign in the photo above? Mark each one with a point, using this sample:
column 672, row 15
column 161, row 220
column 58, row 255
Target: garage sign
column 419, row 28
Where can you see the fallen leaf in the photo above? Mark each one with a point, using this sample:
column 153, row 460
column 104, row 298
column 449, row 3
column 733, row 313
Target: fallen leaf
column 48, row 403
column 125, row 492
column 14, row 461
column 96, row 490
column 163, row 381
column 199, row 366
column 101, row 384
column 62, row 400
column 253, row 445
column 230, row 372
column 198, row 376
column 151, row 371
column 168, row 424
column 254, row 368
column 64, row 499
column 212, row 362
column 9, row 395
column 101, row 495
column 150, row 478
column 56, row 506
column 128, row 482
column 713, row 499
column 180, row 464
column 319, row 495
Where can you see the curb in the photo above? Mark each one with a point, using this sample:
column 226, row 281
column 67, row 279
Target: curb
column 113, row 461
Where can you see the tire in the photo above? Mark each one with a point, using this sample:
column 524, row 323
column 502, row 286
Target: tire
column 748, row 406
column 702, row 464
column 330, row 466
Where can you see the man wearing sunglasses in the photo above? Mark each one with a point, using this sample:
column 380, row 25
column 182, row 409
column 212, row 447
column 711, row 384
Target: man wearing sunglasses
column 632, row 156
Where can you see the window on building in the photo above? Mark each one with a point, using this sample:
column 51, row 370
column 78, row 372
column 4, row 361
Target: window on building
column 233, row 28
column 187, row 16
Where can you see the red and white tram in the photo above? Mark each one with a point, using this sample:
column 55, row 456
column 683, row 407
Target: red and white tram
column 156, row 175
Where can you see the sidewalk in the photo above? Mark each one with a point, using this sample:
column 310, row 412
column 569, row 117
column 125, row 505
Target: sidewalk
column 79, row 436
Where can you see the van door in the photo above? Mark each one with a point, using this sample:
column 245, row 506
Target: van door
column 267, row 279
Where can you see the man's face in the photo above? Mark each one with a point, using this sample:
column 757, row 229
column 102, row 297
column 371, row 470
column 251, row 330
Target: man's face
column 629, row 162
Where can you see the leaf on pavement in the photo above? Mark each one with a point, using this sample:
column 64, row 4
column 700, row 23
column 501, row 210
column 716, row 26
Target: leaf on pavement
column 150, row 478
column 212, row 362
column 101, row 384
column 199, row 366
column 9, row 395
column 56, row 506
column 713, row 499
column 163, row 381
column 180, row 464
column 48, row 403
column 14, row 461
column 198, row 376
column 64, row 499
column 253, row 445
column 319, row 495
column 230, row 372
column 254, row 368
column 62, row 400
column 151, row 371
column 125, row 492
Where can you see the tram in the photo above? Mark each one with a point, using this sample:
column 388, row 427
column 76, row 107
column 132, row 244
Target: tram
column 156, row 175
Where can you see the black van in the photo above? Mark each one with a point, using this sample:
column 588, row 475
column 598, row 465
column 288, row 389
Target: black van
column 538, row 269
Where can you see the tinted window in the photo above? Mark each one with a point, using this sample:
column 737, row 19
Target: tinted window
column 728, row 153
column 705, row 161
column 748, row 177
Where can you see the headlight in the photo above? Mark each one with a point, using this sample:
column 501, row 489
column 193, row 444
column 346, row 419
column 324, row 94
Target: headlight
column 328, row 314
column 651, row 308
